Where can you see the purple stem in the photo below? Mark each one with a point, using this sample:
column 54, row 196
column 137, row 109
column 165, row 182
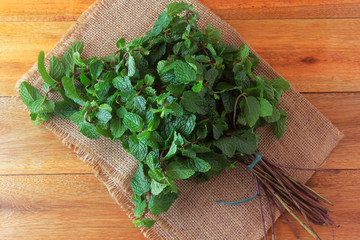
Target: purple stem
column 86, row 113
column 307, row 169
column 260, row 206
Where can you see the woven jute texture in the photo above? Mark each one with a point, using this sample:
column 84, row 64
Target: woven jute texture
column 308, row 140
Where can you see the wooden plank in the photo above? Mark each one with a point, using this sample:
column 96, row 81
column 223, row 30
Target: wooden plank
column 66, row 10
column 341, row 189
column 20, row 46
column 275, row 9
column 26, row 149
column 300, row 50
column 315, row 55
column 78, row 206
column 343, row 110
column 60, row 207
column 37, row 150
column 38, row 10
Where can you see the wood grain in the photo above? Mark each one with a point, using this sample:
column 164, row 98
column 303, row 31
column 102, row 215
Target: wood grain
column 60, row 207
column 275, row 9
column 47, row 192
column 310, row 54
column 27, row 149
column 67, row 10
column 338, row 189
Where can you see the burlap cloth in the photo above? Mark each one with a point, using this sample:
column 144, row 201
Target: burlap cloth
column 308, row 140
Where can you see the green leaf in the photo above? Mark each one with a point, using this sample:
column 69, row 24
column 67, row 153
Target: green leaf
column 184, row 72
column 137, row 148
column 266, row 109
column 145, row 222
column 69, row 86
column 176, row 7
column 139, row 183
column 137, row 103
column 96, row 69
column 67, row 59
column 274, row 117
column 280, row 125
column 199, row 165
column 174, row 108
column 214, row 36
column 42, row 70
column 162, row 202
column 246, row 142
column 57, row 69
column 42, row 106
column 194, row 103
column 116, row 128
column 120, row 43
column 65, row 109
column 173, row 148
column 28, row 93
column 179, row 170
column 210, row 76
column 77, row 118
column 84, row 79
column 227, row 145
column 131, row 66
column 162, row 23
column 197, row 87
column 88, row 130
column 157, row 188
column 251, row 108
column 186, row 124
column 103, row 116
column 280, row 84
column 149, row 80
column 133, row 121
column 139, row 209
column 244, row 52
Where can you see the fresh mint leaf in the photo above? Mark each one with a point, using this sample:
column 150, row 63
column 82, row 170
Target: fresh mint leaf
column 42, row 70
column 67, row 59
column 28, row 93
column 184, row 73
column 246, row 142
column 69, row 86
column 88, row 130
column 144, row 222
column 227, row 145
column 57, row 69
column 157, row 188
column 139, row 209
column 280, row 125
column 194, row 103
column 137, row 148
column 161, row 203
column 134, row 122
column 251, row 108
column 266, row 109
column 176, row 8
column 96, row 69
column 139, row 182
column 179, row 170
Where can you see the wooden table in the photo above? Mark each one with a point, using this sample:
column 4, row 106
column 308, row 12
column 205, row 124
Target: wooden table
column 46, row 191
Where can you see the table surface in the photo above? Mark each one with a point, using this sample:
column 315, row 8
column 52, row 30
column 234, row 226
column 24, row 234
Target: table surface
column 46, row 191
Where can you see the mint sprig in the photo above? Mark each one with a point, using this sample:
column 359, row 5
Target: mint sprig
column 181, row 101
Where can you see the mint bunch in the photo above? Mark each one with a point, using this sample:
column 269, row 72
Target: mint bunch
column 181, row 101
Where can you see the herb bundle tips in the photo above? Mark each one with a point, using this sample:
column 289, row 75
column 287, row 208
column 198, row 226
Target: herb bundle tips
column 183, row 103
